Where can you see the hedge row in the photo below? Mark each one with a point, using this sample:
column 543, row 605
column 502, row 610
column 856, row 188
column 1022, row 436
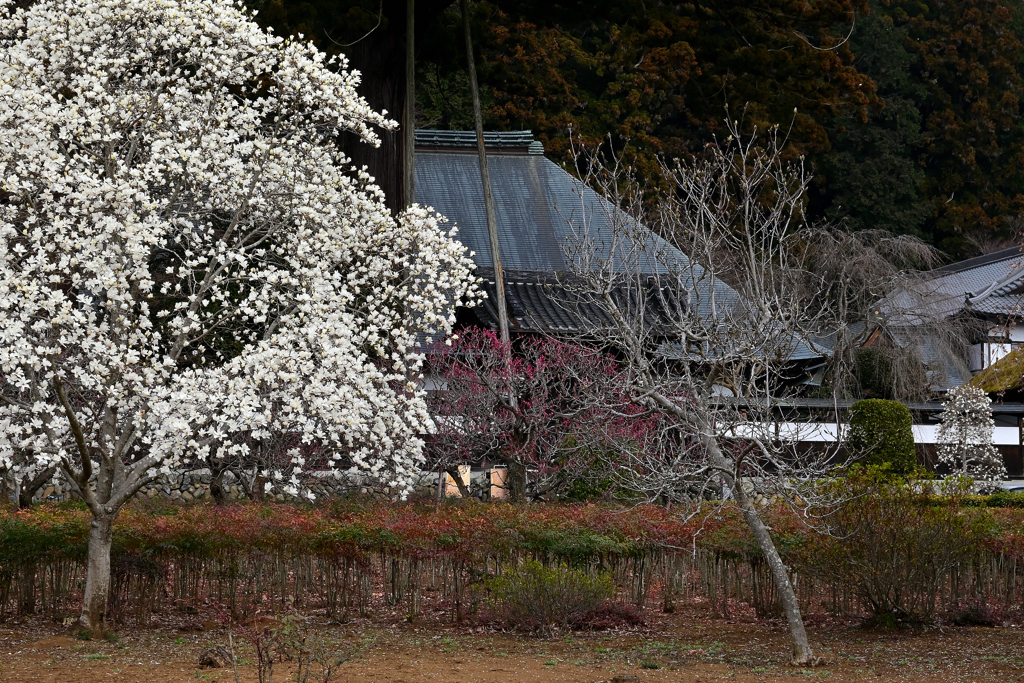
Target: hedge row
column 466, row 532
column 893, row 551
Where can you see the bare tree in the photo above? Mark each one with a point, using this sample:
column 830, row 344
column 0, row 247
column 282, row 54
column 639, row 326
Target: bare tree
column 714, row 322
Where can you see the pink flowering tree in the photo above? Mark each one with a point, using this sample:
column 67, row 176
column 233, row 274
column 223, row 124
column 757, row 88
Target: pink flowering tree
column 534, row 405
column 189, row 266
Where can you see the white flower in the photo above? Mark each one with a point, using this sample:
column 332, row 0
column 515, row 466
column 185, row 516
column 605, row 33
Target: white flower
column 965, row 437
column 216, row 285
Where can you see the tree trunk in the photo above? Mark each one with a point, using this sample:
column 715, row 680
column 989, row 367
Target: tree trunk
column 453, row 472
column 516, row 482
column 97, row 581
column 217, row 490
column 25, row 497
column 259, row 492
column 485, row 178
column 28, row 491
column 254, row 489
column 803, row 655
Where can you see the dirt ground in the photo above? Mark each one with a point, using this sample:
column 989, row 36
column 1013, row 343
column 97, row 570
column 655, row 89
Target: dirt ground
column 673, row 648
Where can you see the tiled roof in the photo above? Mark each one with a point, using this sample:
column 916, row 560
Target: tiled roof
column 541, row 210
column 1002, row 297
column 943, row 369
column 988, row 285
column 538, row 207
column 540, row 301
column 537, row 302
column 545, row 303
column 979, row 261
column 520, row 141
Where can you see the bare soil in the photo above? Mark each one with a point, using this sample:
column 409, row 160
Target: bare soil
column 690, row 647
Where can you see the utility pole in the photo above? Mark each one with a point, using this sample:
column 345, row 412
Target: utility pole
column 408, row 162
column 517, row 475
column 485, row 176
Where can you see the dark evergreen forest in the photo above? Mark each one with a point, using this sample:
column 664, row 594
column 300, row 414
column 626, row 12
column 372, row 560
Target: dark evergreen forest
column 907, row 112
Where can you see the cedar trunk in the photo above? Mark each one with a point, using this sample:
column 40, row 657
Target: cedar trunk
column 380, row 58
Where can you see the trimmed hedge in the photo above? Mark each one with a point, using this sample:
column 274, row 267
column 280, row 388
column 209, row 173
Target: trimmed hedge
column 1000, row 499
column 352, row 559
column 881, row 434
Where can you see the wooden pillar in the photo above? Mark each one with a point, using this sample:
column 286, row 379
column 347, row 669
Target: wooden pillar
column 499, row 483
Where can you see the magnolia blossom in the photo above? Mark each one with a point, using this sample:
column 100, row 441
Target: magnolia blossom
column 188, row 264
column 965, row 437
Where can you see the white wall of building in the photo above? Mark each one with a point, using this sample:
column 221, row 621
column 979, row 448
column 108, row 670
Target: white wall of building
column 818, row 432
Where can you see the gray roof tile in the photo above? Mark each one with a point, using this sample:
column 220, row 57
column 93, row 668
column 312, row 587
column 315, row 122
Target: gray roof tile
column 539, row 207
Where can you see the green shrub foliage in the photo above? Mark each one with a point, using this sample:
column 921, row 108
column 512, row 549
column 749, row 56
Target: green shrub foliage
column 1004, row 499
column 536, row 597
column 881, row 434
column 894, row 550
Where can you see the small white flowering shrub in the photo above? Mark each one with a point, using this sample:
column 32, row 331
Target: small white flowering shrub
column 965, row 438
column 189, row 268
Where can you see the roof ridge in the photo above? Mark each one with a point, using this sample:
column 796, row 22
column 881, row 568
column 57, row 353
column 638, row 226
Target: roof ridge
column 983, row 293
column 518, row 140
column 977, row 261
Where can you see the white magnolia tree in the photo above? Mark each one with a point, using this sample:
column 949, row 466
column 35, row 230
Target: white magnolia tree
column 187, row 266
column 965, row 437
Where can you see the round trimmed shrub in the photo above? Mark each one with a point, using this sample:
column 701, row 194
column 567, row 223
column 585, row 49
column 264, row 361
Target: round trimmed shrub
column 539, row 597
column 881, row 433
